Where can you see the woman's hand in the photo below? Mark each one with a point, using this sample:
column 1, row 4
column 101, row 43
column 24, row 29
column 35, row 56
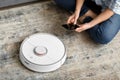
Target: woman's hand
column 83, row 27
column 73, row 18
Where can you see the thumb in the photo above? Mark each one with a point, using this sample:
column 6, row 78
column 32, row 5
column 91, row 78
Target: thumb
column 75, row 21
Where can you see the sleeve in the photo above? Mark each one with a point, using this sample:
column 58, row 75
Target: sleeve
column 115, row 6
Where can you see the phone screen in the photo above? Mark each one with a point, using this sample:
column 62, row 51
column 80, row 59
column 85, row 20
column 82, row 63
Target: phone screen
column 70, row 26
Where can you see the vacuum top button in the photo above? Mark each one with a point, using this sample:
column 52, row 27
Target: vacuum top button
column 40, row 50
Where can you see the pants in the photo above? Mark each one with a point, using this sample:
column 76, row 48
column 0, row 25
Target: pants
column 102, row 33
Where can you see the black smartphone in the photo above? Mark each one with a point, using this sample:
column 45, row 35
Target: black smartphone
column 70, row 26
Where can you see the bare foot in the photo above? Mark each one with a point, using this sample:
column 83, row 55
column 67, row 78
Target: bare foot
column 89, row 13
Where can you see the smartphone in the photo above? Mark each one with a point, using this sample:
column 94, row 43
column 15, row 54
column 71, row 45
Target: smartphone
column 70, row 26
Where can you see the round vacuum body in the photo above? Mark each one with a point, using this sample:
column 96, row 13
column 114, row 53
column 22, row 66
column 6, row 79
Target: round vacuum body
column 42, row 52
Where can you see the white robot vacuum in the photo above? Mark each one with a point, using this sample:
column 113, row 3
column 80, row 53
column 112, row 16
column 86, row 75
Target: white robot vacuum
column 42, row 52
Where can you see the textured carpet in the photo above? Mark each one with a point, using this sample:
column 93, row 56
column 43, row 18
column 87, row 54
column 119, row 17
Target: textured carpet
column 86, row 60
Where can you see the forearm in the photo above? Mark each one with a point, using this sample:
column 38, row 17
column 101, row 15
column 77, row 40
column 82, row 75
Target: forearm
column 106, row 14
column 79, row 4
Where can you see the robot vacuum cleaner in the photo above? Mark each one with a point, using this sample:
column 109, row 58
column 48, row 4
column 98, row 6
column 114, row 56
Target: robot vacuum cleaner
column 42, row 52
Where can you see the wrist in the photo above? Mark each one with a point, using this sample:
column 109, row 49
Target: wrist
column 77, row 11
column 90, row 24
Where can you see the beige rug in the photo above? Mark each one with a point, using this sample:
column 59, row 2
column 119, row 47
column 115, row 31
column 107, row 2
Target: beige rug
column 86, row 60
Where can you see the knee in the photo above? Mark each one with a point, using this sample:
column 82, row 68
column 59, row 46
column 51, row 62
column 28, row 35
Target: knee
column 106, row 31
column 101, row 38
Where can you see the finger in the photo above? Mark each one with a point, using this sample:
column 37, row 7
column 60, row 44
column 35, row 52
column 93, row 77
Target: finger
column 75, row 22
column 72, row 20
column 79, row 29
column 79, row 25
column 69, row 19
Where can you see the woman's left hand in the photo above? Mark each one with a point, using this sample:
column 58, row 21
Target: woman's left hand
column 83, row 27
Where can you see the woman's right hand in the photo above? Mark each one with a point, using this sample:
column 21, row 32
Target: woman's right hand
column 73, row 18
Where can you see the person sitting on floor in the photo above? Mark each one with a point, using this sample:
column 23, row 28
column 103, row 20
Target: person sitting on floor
column 100, row 18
